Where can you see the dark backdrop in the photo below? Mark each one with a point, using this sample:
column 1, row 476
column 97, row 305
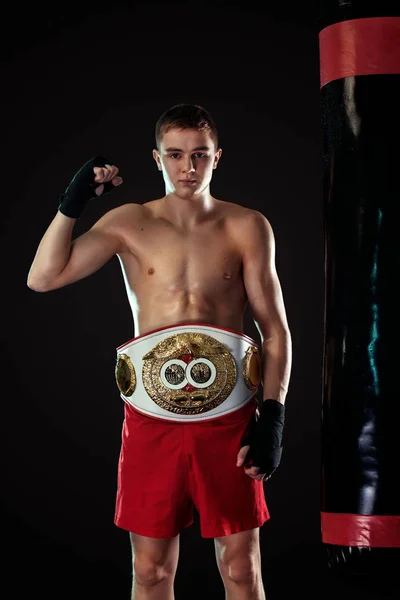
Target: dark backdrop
column 93, row 79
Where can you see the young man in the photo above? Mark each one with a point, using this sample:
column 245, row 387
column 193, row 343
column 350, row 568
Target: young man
column 194, row 433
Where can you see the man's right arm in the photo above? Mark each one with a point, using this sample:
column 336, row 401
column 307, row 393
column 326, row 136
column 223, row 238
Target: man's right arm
column 59, row 261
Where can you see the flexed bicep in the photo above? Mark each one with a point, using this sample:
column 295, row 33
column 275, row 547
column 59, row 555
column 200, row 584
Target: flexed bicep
column 59, row 263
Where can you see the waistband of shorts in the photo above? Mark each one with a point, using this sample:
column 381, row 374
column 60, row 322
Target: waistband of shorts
column 188, row 372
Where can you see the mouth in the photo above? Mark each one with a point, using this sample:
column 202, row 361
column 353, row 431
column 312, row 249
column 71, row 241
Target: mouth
column 187, row 181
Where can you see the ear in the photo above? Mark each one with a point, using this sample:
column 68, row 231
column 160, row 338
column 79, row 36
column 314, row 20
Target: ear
column 156, row 156
column 217, row 157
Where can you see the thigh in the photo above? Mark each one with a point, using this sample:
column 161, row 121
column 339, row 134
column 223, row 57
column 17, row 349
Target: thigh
column 227, row 499
column 239, row 550
column 152, row 495
column 239, row 563
column 244, row 543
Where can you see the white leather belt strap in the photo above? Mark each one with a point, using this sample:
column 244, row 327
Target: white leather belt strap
column 188, row 372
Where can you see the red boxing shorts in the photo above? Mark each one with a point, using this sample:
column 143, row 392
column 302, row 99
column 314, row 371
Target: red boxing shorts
column 168, row 468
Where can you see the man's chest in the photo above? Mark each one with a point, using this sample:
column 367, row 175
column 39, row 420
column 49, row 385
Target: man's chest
column 207, row 255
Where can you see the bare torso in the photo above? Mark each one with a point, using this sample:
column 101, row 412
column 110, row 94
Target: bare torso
column 174, row 275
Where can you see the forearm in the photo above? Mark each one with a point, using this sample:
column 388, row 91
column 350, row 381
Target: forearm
column 265, row 435
column 276, row 366
column 53, row 252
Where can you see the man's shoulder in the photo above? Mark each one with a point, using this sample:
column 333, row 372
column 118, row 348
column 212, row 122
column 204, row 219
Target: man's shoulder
column 116, row 219
column 123, row 210
column 248, row 226
column 243, row 216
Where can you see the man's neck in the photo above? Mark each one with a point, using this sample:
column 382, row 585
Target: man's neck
column 187, row 212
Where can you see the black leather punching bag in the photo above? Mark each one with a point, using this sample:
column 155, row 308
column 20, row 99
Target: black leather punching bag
column 359, row 48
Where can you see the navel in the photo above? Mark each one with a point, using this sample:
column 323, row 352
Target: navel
column 226, row 275
column 150, row 271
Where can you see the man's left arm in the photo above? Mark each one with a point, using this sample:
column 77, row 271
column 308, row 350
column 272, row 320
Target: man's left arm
column 266, row 302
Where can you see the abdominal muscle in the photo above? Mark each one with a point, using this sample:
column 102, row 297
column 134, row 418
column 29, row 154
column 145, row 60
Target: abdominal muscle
column 156, row 304
column 183, row 307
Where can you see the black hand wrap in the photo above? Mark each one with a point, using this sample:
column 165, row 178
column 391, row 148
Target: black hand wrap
column 265, row 437
column 82, row 187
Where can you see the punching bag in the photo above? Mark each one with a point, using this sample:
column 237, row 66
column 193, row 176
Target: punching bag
column 359, row 50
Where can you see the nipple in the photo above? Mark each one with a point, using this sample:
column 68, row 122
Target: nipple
column 150, row 271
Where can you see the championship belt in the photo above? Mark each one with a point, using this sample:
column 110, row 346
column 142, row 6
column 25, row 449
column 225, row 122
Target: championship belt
column 188, row 372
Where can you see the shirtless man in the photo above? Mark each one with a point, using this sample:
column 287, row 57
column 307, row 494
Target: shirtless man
column 194, row 432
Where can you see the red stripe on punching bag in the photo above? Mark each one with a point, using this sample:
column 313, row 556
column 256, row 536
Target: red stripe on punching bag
column 368, row 46
column 379, row 531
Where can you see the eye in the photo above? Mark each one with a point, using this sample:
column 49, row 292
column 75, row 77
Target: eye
column 174, row 155
column 200, row 155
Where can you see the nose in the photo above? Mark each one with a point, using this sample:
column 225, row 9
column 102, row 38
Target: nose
column 188, row 165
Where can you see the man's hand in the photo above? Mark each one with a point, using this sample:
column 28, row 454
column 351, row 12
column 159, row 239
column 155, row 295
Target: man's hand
column 82, row 188
column 261, row 449
column 104, row 174
column 253, row 472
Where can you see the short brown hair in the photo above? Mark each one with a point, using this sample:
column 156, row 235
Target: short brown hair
column 186, row 116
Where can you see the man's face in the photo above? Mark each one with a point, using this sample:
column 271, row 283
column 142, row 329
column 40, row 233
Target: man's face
column 187, row 158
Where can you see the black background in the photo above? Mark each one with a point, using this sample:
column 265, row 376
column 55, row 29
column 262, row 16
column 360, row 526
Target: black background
column 93, row 78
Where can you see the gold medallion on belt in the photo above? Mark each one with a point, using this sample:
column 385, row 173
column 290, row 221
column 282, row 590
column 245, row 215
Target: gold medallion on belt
column 189, row 373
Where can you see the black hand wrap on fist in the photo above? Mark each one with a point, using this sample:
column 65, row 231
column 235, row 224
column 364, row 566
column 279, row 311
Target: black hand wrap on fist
column 82, row 187
column 265, row 436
